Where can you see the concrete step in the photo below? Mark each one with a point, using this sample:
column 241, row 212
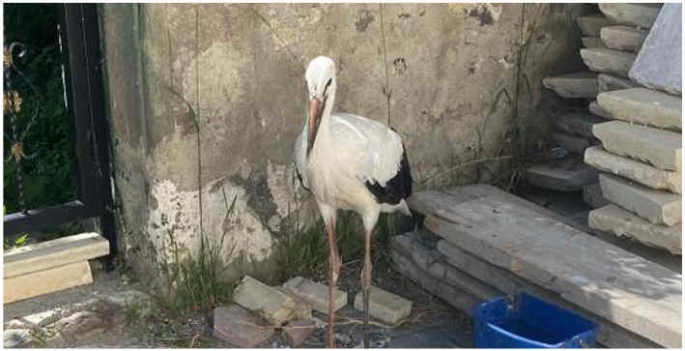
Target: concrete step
column 575, row 123
column 571, row 143
column 608, row 82
column 634, row 170
column 608, row 61
column 643, row 106
column 660, row 148
column 614, row 219
column 592, row 24
column 592, row 42
column 658, row 65
column 575, row 85
column 658, row 207
column 624, row 38
column 563, row 175
column 641, row 15
column 592, row 195
column 597, row 110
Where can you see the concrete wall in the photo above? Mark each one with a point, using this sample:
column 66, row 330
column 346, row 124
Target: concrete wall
column 436, row 72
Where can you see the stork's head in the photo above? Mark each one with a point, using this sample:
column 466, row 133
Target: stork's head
column 320, row 77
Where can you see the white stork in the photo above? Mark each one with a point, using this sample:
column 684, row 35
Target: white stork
column 350, row 163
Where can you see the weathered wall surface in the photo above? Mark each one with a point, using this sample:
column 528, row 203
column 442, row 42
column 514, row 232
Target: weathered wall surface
column 444, row 76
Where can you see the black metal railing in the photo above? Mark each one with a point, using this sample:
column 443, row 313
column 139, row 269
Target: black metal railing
column 83, row 82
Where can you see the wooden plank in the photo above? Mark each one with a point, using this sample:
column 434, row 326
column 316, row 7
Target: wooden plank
column 433, row 263
column 46, row 281
column 451, row 294
column 626, row 289
column 53, row 253
column 610, row 335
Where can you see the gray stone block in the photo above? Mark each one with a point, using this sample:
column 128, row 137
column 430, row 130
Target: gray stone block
column 386, row 306
column 597, row 110
column 658, row 207
column 658, row 64
column 575, row 85
column 616, row 220
column 608, row 61
column 575, row 123
column 563, row 175
column 623, row 38
column 643, row 106
column 592, row 195
column 641, row 15
column 660, row 148
column 637, row 171
column 592, row 42
column 608, row 82
column 239, row 327
column 573, row 144
column 315, row 293
column 592, row 24
column 270, row 303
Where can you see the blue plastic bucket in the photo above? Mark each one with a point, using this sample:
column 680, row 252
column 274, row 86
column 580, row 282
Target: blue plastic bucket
column 529, row 322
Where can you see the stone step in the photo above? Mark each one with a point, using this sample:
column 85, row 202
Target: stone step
column 658, row 65
column 268, row 302
column 591, row 25
column 574, row 85
column 608, row 82
column 660, row 148
column 571, row 143
column 634, row 170
column 614, row 219
column 592, row 42
column 563, row 175
column 597, row 110
column 623, row 38
column 386, row 306
column 643, row 106
column 658, row 207
column 608, row 61
column 576, row 123
column 315, row 293
column 592, row 195
column 641, row 15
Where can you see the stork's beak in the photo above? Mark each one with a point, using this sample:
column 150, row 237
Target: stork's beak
column 315, row 110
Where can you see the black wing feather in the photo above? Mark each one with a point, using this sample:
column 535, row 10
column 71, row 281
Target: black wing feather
column 398, row 187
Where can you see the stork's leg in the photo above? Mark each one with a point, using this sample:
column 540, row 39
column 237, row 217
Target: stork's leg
column 366, row 284
column 334, row 272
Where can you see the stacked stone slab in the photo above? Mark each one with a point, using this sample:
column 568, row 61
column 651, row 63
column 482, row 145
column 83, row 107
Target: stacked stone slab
column 640, row 153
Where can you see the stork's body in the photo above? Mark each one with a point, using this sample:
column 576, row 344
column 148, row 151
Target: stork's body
column 350, row 163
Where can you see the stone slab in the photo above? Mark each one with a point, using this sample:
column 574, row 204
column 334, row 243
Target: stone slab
column 49, row 280
column 268, row 302
column 592, row 42
column 584, row 270
column 658, row 64
column 634, row 170
column 643, row 106
column 315, row 293
column 579, row 124
column 53, row 253
column 574, row 85
column 597, row 110
column 608, row 61
column 384, row 305
column 592, row 24
column 641, row 15
column 658, row 207
column 614, row 219
column 564, row 175
column 659, row 148
column 299, row 330
column 571, row 143
column 592, row 195
column 624, row 38
column 239, row 327
column 608, row 82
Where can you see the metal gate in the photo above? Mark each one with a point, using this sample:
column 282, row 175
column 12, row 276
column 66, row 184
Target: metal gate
column 83, row 78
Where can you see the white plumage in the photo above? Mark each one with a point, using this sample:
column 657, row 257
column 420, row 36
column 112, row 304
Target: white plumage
column 351, row 163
